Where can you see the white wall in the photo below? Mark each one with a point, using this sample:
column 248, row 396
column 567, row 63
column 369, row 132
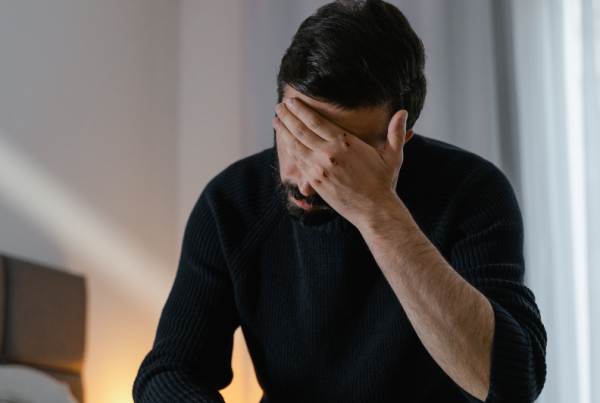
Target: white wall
column 88, row 148
column 209, row 94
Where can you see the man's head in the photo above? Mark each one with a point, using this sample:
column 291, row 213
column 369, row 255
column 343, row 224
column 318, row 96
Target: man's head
column 356, row 63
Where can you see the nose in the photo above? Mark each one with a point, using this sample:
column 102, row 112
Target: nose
column 305, row 188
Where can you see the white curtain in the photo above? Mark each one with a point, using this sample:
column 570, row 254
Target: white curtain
column 557, row 69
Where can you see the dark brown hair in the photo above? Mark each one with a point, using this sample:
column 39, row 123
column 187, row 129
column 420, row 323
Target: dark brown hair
column 355, row 54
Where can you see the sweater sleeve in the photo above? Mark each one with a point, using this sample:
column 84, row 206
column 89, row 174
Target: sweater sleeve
column 191, row 356
column 486, row 248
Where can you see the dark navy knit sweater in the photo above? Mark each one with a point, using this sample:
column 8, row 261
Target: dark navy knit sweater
column 321, row 322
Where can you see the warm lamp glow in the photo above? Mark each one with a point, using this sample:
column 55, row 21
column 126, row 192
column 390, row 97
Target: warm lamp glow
column 117, row 396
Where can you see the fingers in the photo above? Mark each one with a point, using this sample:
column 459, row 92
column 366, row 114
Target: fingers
column 303, row 157
column 304, row 122
column 313, row 143
column 298, row 151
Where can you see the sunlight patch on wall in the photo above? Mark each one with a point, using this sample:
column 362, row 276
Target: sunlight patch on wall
column 80, row 231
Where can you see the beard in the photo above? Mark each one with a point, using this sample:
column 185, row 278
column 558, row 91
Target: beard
column 288, row 191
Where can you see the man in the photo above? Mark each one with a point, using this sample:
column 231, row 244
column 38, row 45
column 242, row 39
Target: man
column 376, row 265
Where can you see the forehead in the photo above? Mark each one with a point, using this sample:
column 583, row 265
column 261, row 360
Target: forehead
column 368, row 124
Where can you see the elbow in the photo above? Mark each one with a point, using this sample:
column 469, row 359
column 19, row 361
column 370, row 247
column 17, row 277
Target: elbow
column 139, row 387
column 484, row 369
column 482, row 384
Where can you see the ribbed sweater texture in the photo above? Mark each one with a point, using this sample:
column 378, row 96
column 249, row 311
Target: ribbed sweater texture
column 321, row 322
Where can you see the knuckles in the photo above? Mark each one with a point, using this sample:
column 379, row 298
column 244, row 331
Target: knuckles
column 297, row 150
column 315, row 123
column 300, row 131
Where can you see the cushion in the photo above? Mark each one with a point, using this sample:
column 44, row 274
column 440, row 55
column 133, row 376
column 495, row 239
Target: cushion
column 21, row 384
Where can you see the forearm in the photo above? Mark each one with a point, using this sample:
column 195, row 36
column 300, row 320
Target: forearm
column 454, row 321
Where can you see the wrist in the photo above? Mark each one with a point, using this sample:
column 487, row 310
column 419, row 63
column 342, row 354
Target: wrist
column 389, row 213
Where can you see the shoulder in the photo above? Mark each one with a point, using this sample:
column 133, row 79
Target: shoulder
column 246, row 187
column 240, row 198
column 434, row 160
column 439, row 180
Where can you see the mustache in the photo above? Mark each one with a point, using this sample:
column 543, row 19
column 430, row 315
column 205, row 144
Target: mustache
column 288, row 188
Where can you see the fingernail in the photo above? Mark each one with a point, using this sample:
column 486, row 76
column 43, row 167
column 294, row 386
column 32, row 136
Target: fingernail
column 290, row 102
column 278, row 108
column 275, row 122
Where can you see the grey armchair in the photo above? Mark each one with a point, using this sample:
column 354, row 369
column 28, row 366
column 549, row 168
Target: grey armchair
column 42, row 320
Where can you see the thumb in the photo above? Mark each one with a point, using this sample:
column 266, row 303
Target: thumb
column 396, row 134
